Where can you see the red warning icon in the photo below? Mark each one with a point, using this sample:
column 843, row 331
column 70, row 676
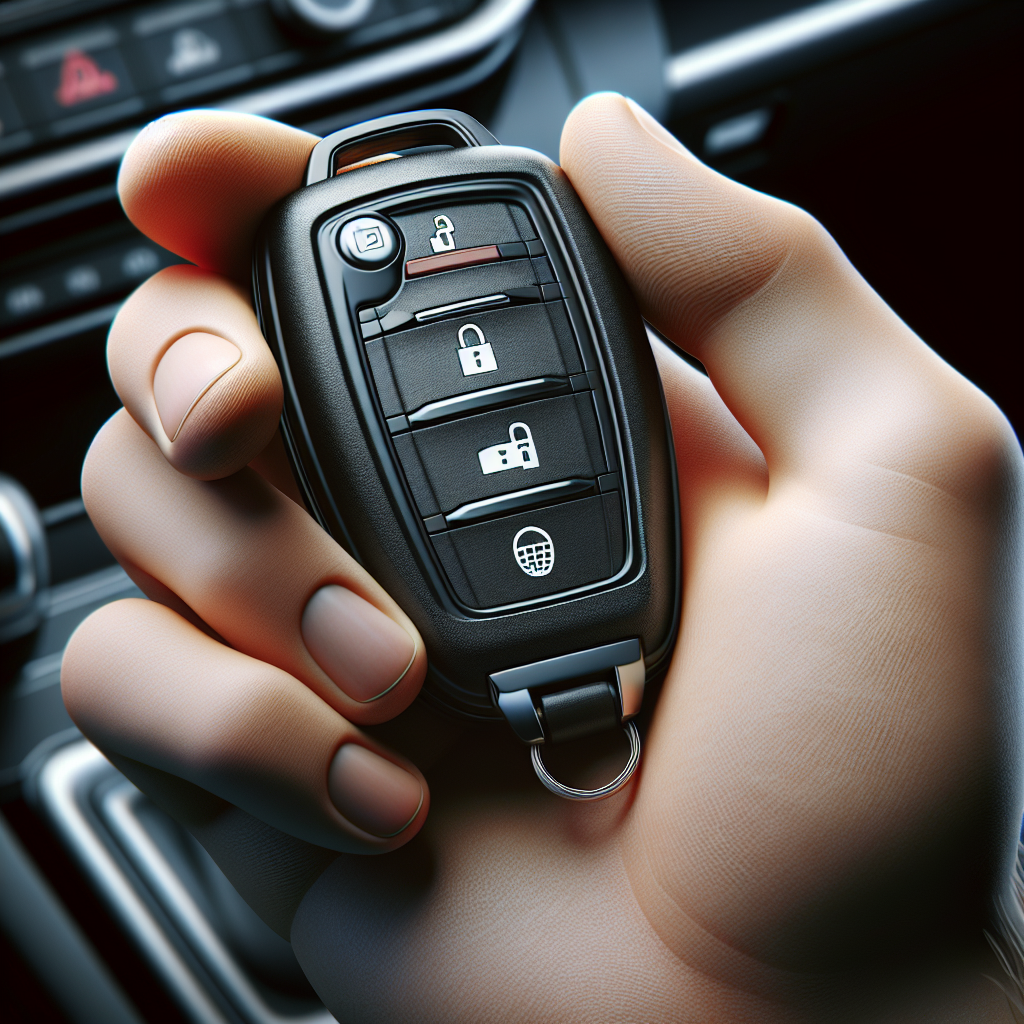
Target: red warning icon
column 82, row 79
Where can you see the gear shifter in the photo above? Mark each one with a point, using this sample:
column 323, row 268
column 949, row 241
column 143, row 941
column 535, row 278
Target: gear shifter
column 473, row 411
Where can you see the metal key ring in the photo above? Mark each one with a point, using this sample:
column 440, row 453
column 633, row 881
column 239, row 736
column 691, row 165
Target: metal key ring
column 571, row 792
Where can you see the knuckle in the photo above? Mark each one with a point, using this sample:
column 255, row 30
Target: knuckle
column 88, row 671
column 804, row 233
column 135, row 309
column 242, row 720
column 988, row 451
column 969, row 442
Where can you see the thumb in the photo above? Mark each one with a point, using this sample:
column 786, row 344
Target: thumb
column 807, row 357
column 693, row 243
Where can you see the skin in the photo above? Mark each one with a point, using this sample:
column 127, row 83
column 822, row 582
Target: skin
column 826, row 815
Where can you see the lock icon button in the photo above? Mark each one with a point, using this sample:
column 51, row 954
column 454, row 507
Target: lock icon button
column 478, row 358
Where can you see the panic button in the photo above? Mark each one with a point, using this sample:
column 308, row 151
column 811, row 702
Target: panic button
column 547, row 551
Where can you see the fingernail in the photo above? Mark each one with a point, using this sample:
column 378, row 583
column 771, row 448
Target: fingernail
column 373, row 793
column 188, row 369
column 358, row 646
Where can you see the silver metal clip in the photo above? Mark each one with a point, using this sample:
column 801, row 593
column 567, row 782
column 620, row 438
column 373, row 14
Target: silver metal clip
column 576, row 710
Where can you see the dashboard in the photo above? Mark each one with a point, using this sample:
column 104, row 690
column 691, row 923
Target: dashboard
column 895, row 122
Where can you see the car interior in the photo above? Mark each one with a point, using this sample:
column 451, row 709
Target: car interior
column 897, row 123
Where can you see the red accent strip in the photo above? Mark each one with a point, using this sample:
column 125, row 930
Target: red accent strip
column 452, row 260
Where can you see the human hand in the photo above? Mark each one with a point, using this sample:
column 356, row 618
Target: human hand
column 830, row 787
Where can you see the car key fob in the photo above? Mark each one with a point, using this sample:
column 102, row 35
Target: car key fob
column 473, row 411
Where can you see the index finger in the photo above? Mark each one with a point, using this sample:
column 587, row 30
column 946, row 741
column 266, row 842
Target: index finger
column 185, row 352
column 199, row 183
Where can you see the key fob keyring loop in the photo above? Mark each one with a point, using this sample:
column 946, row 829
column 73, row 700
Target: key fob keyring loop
column 600, row 792
column 473, row 411
column 359, row 143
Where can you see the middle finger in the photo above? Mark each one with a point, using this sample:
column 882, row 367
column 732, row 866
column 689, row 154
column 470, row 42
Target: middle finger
column 255, row 568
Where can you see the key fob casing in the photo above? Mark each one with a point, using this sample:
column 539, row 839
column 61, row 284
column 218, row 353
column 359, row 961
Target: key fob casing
column 473, row 411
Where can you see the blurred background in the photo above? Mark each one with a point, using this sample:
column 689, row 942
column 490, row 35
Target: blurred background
column 898, row 123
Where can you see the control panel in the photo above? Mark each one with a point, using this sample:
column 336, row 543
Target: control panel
column 129, row 63
column 494, row 401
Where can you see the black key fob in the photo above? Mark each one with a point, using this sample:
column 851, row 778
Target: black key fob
column 473, row 411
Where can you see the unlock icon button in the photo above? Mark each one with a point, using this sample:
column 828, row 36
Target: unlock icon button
column 478, row 358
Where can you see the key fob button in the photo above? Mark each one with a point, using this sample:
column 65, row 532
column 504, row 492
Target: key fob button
column 480, row 350
column 368, row 243
column 545, row 551
column 451, row 226
column 501, row 451
column 426, row 299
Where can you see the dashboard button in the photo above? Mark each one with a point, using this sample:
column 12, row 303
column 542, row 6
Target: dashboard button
column 10, row 118
column 180, row 47
column 531, row 554
column 483, row 350
column 501, row 451
column 326, row 17
column 78, row 72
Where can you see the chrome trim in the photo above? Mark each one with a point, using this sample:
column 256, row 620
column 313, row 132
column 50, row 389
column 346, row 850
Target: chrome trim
column 59, row 782
column 57, row 208
column 39, row 926
column 485, row 301
column 94, row 589
column 529, row 498
column 22, row 551
column 567, row 666
column 23, row 605
column 102, row 115
column 781, row 36
column 53, row 50
column 102, row 585
column 631, row 679
column 331, row 19
column 432, row 412
column 425, row 95
column 67, row 788
column 117, row 807
column 42, row 11
column 521, row 714
column 38, row 674
column 66, row 163
column 481, row 29
column 166, row 18
column 489, row 25
column 52, row 515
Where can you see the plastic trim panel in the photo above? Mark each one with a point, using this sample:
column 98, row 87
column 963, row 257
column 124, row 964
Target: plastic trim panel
column 489, row 25
column 66, row 786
